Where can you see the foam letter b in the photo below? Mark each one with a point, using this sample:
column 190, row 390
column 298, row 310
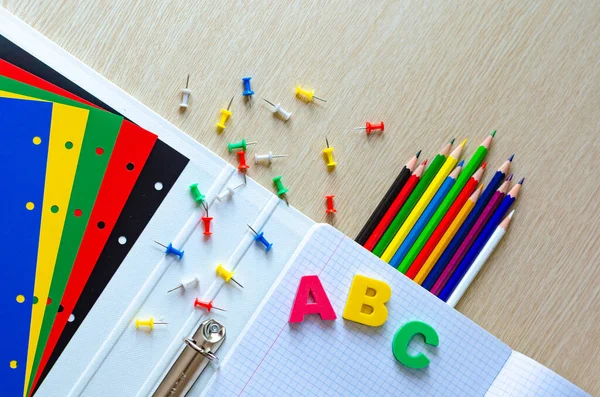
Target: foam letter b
column 311, row 285
column 365, row 307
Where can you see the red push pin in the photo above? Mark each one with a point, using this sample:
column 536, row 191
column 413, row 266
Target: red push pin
column 207, row 305
column 330, row 208
column 242, row 158
column 206, row 220
column 243, row 165
column 372, row 127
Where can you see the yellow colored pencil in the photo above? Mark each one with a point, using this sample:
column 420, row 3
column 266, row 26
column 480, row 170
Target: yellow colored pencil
column 448, row 236
column 414, row 215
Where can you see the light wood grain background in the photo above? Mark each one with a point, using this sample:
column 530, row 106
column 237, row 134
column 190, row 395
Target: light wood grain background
column 432, row 70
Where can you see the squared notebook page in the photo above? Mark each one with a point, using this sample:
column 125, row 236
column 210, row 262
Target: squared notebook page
column 523, row 376
column 340, row 357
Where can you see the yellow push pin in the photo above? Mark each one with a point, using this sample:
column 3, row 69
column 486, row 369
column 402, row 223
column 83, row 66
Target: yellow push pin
column 307, row 95
column 226, row 275
column 146, row 323
column 328, row 151
column 225, row 113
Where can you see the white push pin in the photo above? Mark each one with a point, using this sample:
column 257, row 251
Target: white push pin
column 185, row 94
column 267, row 157
column 279, row 111
column 227, row 193
column 186, row 283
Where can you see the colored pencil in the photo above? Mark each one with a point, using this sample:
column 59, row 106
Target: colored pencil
column 485, row 197
column 427, row 258
column 470, row 168
column 384, row 204
column 426, row 179
column 483, row 256
column 398, row 202
column 426, row 215
column 416, row 212
column 470, row 239
column 483, row 237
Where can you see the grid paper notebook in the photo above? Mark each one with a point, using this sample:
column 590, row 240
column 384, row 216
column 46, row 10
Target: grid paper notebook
column 340, row 357
column 316, row 357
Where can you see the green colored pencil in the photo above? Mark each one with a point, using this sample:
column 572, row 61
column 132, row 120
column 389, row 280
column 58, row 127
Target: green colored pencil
column 470, row 168
column 399, row 219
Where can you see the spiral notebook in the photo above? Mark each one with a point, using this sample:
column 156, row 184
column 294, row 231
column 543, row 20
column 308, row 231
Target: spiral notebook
column 316, row 357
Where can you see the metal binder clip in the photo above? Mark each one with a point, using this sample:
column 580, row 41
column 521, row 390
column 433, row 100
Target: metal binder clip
column 199, row 351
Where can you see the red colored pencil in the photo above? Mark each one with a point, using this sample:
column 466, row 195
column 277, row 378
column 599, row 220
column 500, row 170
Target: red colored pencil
column 444, row 224
column 398, row 202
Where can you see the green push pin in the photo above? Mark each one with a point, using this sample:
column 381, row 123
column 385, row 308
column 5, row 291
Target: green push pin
column 281, row 190
column 198, row 197
column 239, row 145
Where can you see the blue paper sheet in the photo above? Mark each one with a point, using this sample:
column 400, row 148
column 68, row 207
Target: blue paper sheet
column 24, row 138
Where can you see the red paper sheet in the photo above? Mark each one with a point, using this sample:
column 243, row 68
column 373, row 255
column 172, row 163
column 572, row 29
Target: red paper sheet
column 129, row 155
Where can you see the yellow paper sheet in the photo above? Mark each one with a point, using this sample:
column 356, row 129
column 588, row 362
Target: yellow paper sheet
column 67, row 130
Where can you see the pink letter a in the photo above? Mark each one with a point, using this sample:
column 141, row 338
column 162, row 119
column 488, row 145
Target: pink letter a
column 311, row 285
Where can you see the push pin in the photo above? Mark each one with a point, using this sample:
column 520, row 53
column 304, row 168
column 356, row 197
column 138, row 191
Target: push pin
column 225, row 113
column 329, row 155
column 330, row 207
column 307, row 95
column 243, row 165
column 170, row 250
column 260, row 237
column 186, row 283
column 198, row 197
column 247, row 90
column 372, row 127
column 239, row 145
column 185, row 94
column 267, row 157
column 206, row 220
column 147, row 323
column 226, row 275
column 279, row 111
column 207, row 305
column 281, row 190
column 227, row 193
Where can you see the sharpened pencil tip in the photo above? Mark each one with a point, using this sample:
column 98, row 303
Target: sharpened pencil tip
column 521, row 181
column 493, row 133
column 484, row 165
column 462, row 162
column 480, row 186
column 511, row 214
column 452, row 141
column 510, row 177
column 418, row 154
column 424, row 163
column 511, row 157
column 463, row 143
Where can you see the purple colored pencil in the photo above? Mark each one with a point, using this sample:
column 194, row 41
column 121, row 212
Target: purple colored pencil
column 470, row 239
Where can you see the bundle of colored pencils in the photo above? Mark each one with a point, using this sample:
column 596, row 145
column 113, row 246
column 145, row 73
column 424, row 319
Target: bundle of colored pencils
column 438, row 224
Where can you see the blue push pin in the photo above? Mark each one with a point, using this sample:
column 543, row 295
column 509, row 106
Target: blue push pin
column 170, row 250
column 260, row 237
column 247, row 90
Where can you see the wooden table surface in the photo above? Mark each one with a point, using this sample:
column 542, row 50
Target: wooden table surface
column 432, row 70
